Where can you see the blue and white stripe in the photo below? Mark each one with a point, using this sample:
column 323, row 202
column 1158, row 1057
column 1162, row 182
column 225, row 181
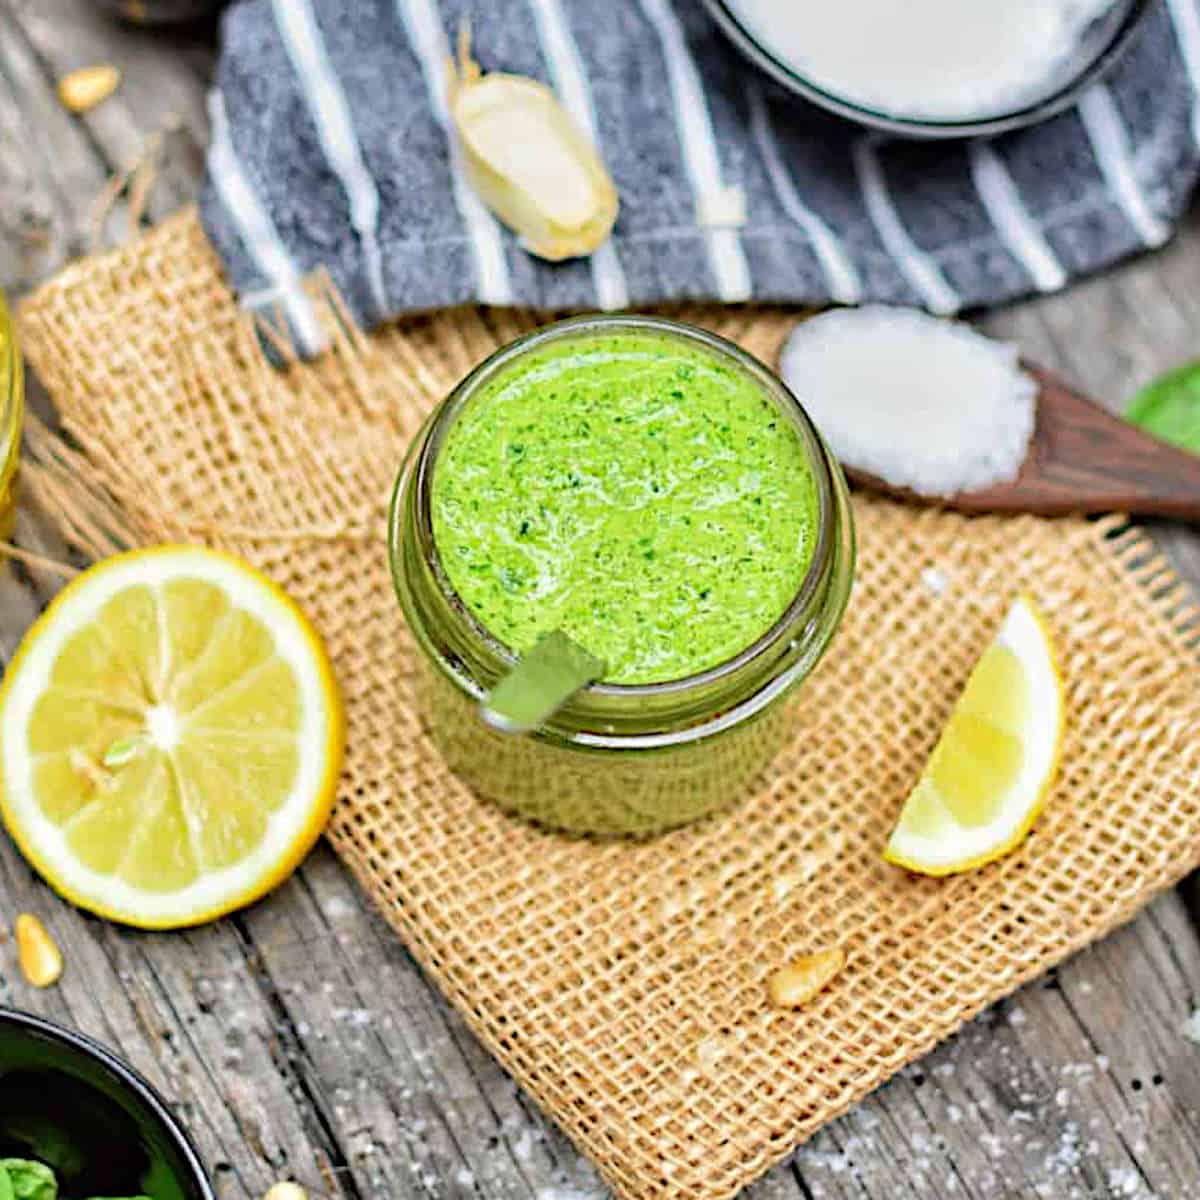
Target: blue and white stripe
column 427, row 35
column 698, row 142
column 297, row 24
column 1014, row 225
column 918, row 269
column 1114, row 157
column 1186, row 21
column 258, row 235
column 689, row 131
column 841, row 275
column 571, row 84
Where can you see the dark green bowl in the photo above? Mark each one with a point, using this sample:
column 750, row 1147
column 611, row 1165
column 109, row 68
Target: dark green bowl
column 69, row 1102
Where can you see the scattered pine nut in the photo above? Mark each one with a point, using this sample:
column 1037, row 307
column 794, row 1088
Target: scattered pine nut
column 800, row 981
column 287, row 1190
column 82, row 90
column 39, row 955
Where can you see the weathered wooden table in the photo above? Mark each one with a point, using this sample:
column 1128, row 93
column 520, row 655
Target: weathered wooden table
column 299, row 1039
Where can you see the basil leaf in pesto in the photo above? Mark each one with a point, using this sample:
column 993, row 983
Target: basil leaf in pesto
column 1169, row 407
column 30, row 1180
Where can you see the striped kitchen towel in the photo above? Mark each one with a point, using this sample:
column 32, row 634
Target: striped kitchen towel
column 330, row 148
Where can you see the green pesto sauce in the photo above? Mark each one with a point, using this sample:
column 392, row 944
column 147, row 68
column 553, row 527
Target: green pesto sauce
column 637, row 491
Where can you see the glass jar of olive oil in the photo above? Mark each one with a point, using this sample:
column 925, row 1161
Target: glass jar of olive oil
column 12, row 411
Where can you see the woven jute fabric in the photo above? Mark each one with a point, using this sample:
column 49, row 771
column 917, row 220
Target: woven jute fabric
column 624, row 984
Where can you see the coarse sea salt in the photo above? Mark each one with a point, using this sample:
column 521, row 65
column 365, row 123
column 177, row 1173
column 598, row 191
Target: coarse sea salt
column 922, row 403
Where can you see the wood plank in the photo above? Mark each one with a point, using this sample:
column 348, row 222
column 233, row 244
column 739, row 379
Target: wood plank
column 418, row 1105
column 71, row 161
column 155, row 95
column 1081, row 1086
column 184, row 1011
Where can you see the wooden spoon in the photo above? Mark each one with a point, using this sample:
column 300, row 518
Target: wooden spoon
column 1081, row 459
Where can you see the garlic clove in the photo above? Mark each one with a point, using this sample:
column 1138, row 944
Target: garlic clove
column 529, row 161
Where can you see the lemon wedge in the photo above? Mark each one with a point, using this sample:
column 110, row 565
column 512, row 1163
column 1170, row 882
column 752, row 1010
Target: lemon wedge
column 990, row 772
column 170, row 738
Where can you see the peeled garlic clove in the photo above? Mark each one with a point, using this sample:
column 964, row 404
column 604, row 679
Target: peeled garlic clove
column 38, row 953
column 529, row 161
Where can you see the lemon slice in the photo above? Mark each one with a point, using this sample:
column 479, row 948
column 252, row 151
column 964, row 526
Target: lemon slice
column 170, row 738
column 989, row 774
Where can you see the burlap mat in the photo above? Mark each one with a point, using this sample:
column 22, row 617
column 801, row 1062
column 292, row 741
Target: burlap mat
column 623, row 984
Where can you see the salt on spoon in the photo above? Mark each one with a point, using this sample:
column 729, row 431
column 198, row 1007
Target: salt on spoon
column 925, row 404
column 929, row 410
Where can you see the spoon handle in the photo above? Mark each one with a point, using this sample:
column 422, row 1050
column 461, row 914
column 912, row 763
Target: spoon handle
column 1082, row 460
column 540, row 684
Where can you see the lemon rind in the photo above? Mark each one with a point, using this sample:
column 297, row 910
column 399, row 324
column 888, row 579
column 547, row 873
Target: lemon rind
column 1024, row 628
column 324, row 741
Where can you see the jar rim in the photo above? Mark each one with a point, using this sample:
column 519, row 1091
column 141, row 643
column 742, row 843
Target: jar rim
column 771, row 385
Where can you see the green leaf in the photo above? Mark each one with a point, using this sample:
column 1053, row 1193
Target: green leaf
column 6, row 1187
column 1169, row 407
column 30, row 1180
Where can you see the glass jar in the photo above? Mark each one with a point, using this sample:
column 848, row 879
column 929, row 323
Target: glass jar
column 615, row 759
column 12, row 411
